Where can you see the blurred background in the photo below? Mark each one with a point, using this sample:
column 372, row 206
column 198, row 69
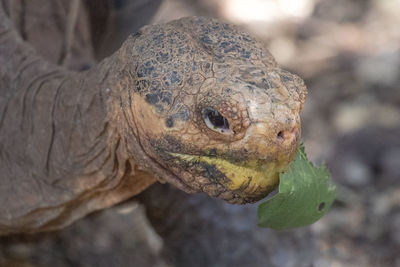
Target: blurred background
column 348, row 52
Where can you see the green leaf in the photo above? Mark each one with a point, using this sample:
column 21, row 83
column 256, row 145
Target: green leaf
column 305, row 195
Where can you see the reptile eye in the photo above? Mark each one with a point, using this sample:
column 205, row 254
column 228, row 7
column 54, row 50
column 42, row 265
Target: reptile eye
column 215, row 121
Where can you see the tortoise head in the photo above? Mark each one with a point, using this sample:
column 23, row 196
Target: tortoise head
column 213, row 110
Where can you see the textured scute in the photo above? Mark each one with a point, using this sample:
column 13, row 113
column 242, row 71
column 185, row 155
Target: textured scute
column 224, row 41
column 178, row 58
column 163, row 55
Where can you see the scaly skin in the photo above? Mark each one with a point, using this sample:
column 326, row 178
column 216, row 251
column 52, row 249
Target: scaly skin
column 193, row 64
column 71, row 142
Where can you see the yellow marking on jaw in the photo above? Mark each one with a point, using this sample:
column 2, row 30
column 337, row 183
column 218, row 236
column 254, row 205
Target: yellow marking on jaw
column 263, row 176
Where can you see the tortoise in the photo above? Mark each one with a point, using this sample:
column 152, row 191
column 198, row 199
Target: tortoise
column 195, row 102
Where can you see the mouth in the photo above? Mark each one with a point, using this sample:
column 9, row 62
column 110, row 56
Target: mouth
column 251, row 179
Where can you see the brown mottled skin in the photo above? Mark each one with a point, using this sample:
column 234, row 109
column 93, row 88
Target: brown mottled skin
column 74, row 142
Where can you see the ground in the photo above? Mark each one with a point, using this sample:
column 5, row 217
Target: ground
column 348, row 52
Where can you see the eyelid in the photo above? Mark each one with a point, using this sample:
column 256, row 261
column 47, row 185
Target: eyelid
column 222, row 130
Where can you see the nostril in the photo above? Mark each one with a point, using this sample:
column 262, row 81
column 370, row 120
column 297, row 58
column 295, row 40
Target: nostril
column 285, row 135
column 281, row 135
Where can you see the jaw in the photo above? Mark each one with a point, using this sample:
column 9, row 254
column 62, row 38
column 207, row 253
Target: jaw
column 238, row 176
column 242, row 182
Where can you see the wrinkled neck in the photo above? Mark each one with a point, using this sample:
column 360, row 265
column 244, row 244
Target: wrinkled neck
column 65, row 147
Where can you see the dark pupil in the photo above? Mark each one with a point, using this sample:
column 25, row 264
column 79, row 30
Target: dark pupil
column 217, row 119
